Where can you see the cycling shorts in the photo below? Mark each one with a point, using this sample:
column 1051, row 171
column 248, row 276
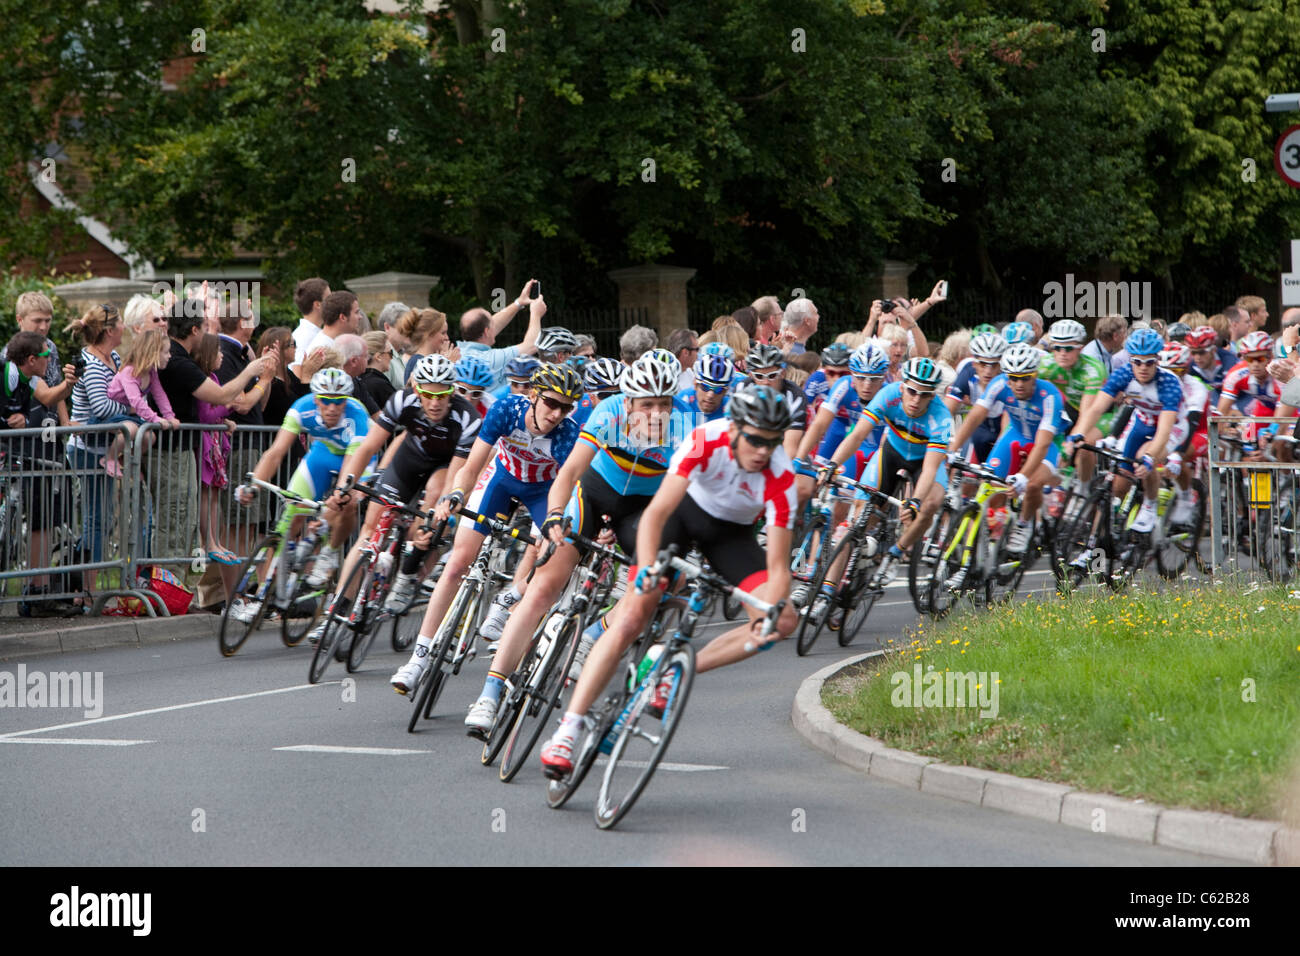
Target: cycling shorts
column 1014, row 448
column 593, row 497
column 731, row 549
column 887, row 461
column 1137, row 434
column 493, row 493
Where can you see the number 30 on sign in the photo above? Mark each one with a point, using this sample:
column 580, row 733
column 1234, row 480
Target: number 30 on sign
column 1286, row 156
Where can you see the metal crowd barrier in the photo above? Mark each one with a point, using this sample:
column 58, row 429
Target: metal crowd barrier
column 1253, row 504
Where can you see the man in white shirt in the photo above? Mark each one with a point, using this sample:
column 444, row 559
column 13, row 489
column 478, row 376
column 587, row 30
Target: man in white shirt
column 308, row 297
column 1108, row 347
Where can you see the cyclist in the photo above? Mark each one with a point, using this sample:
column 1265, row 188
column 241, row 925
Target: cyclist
column 1210, row 363
column 1078, row 377
column 919, row 433
column 440, row 427
column 1189, row 440
column 473, row 379
column 835, row 365
column 972, row 381
column 530, row 435
column 720, row 480
column 1035, row 414
column 1155, row 397
column 601, row 381
column 556, row 345
column 1247, row 385
column 708, row 399
column 519, row 372
column 766, row 366
column 615, row 467
column 337, row 424
column 836, row 416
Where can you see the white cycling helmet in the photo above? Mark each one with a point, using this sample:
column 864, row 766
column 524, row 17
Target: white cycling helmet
column 556, row 339
column 434, row 370
column 988, row 345
column 331, row 381
column 667, row 358
column 1020, row 359
column 1065, row 331
column 648, row 377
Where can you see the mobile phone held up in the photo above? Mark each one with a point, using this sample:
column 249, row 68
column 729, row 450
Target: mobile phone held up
column 943, row 289
column 535, row 289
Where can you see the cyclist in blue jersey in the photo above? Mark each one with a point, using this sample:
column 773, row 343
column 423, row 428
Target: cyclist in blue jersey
column 1036, row 413
column 526, row 438
column 1156, row 397
column 836, row 416
column 337, row 424
column 713, row 375
column 519, row 372
column 615, row 468
column 473, row 379
column 972, row 381
column 835, row 365
column 600, row 378
column 918, row 433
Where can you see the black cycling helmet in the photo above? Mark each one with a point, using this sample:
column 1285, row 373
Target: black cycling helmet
column 560, row 379
column 764, row 356
column 836, row 355
column 760, row 407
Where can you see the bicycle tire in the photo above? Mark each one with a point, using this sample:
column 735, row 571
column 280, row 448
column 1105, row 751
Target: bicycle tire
column 925, row 553
column 232, row 634
column 856, row 597
column 335, row 626
column 540, row 701
column 1000, row 587
column 511, row 698
column 433, row 685
column 374, row 618
column 940, row 599
column 295, row 624
column 1074, row 542
column 681, row 660
column 810, row 630
column 559, row 791
column 1180, row 547
column 405, row 627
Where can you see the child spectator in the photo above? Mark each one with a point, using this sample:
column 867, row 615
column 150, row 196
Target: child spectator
column 146, row 356
column 213, row 455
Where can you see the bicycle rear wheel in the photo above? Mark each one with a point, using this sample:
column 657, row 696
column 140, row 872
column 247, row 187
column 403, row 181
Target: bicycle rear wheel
column 248, row 589
column 541, row 700
column 406, row 628
column 516, row 690
column 338, row 625
column 643, row 739
column 855, row 597
column 304, row 603
column 924, row 554
column 1000, row 586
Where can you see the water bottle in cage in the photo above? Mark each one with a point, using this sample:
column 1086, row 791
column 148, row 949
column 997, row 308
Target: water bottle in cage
column 384, row 565
column 1056, row 502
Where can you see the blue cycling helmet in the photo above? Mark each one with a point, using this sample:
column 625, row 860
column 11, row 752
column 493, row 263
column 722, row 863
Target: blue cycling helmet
column 1018, row 332
column 868, row 360
column 474, row 372
column 522, row 367
column 1144, row 342
column 719, row 348
column 714, row 370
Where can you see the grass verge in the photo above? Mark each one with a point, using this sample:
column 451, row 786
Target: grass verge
column 1188, row 698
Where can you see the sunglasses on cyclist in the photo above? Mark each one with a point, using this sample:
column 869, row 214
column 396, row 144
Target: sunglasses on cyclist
column 521, row 383
column 835, row 372
column 770, row 376
column 1065, row 348
column 712, row 389
column 470, row 393
column 918, row 392
column 760, row 442
column 332, row 399
column 1144, row 363
column 555, row 406
column 430, row 393
column 1022, row 377
column 863, row 377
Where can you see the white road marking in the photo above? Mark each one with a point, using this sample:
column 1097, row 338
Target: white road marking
column 162, row 710
column 322, row 749
column 78, row 741
column 677, row 767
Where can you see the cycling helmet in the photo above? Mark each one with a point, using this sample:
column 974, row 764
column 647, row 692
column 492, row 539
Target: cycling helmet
column 1144, row 342
column 764, row 356
column 331, row 381
column 1018, row 332
column 836, row 355
column 557, row 378
column 760, row 407
column 714, row 370
column 1202, row 337
column 1178, row 331
column 434, row 370
column 868, row 360
column 647, row 377
column 556, row 339
column 474, row 372
column 667, row 358
column 1021, row 359
column 988, row 345
column 1066, row 331
column 602, row 375
column 578, row 363
column 1255, row 342
column 522, row 367
column 1175, row 355
column 718, row 348
column 922, row 372
column 984, row 327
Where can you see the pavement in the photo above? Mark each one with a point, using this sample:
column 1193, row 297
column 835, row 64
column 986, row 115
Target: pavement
column 188, row 758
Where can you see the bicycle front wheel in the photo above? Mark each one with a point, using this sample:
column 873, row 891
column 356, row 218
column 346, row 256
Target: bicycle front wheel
column 644, row 738
column 248, row 591
column 338, row 625
column 810, row 623
column 541, row 700
column 304, row 602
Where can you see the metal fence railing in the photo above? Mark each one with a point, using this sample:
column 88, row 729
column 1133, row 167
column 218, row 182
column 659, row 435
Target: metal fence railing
column 1253, row 498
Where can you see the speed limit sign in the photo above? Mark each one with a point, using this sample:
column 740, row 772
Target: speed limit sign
column 1286, row 156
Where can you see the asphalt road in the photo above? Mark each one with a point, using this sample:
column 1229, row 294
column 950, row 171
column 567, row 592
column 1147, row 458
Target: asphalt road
column 192, row 763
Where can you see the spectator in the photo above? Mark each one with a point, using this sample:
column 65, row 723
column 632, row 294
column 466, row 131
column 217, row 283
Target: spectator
column 22, row 375
column 723, row 320
column 34, row 313
column 142, row 312
column 309, row 297
column 769, row 315
column 137, row 386
column 1290, row 318
column 479, row 331
column 1035, row 319
column 1256, row 310
column 734, row 337
column 340, row 314
column 174, row 481
column 635, row 342
column 214, row 456
column 798, row 325
column 283, row 350
column 426, row 331
column 1108, row 346
column 747, row 319
column 952, row 354
column 685, row 346
column 353, row 350
column 1219, row 322
column 396, row 345
column 586, row 347
column 379, row 358
column 101, row 334
column 897, row 344
column 1240, row 324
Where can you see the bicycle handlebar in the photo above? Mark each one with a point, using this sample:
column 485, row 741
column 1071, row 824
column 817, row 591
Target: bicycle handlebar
column 289, row 496
column 668, row 559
